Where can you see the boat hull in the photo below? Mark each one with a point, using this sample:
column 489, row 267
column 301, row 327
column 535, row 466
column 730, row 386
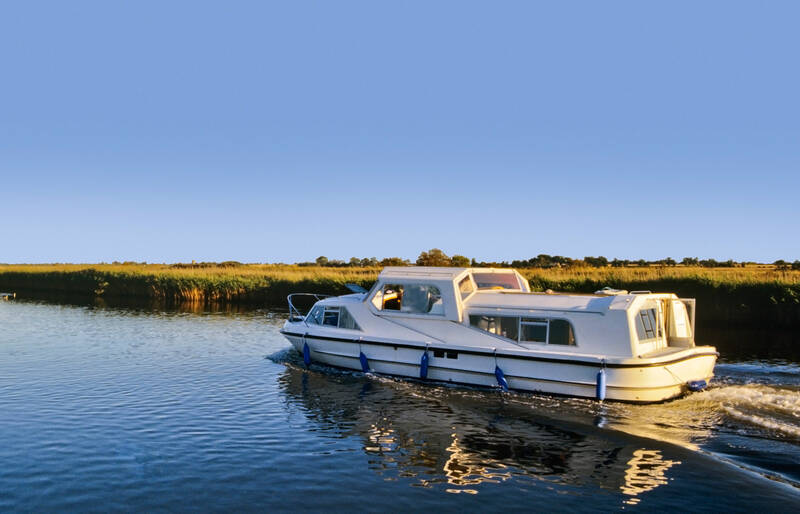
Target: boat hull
column 645, row 383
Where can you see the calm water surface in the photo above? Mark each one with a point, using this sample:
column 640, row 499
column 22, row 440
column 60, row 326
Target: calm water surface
column 109, row 409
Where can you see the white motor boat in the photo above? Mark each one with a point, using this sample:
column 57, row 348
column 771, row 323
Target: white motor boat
column 483, row 326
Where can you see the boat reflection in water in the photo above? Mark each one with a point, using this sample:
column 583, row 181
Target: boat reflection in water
column 462, row 441
column 646, row 471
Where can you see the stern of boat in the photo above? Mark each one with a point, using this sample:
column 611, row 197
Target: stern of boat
column 668, row 376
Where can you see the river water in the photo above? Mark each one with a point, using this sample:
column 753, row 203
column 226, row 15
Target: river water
column 148, row 409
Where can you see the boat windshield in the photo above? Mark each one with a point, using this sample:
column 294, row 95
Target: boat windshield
column 496, row 281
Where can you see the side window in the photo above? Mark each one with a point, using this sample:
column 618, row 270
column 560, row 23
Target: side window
column 504, row 326
column 496, row 281
column 526, row 330
column 346, row 320
column 534, row 330
column 561, row 332
column 647, row 324
column 392, row 297
column 331, row 316
column 465, row 287
column 412, row 299
column 315, row 316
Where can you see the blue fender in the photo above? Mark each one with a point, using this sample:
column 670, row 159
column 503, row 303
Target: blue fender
column 364, row 362
column 306, row 354
column 423, row 366
column 600, row 389
column 501, row 380
column 697, row 385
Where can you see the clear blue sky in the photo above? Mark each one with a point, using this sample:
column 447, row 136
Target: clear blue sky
column 172, row 131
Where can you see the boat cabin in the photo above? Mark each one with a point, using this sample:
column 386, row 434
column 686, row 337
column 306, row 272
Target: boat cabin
column 498, row 302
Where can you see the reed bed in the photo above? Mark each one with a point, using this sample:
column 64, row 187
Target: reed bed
column 755, row 296
column 752, row 295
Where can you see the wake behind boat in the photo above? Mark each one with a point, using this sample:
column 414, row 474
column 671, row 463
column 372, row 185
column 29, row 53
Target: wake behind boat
column 484, row 326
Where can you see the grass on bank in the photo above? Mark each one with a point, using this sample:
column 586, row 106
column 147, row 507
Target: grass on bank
column 754, row 294
column 256, row 272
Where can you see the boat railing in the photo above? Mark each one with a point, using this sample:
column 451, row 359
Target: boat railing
column 296, row 314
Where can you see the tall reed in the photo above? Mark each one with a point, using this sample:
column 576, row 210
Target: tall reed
column 752, row 295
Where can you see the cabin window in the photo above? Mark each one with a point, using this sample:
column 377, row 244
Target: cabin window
column 526, row 330
column 337, row 317
column 561, row 332
column 496, row 281
column 533, row 330
column 315, row 316
column 465, row 287
column 647, row 326
column 331, row 316
column 412, row 299
column 346, row 320
column 504, row 326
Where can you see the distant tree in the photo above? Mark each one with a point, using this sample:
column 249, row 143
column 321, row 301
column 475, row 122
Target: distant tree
column 619, row 263
column 709, row 263
column 322, row 260
column 597, row 262
column 542, row 261
column 690, row 261
column 367, row 262
column 354, row 262
column 669, row 261
column 559, row 260
column 394, row 261
column 433, row 257
column 796, row 265
column 459, row 261
column 781, row 265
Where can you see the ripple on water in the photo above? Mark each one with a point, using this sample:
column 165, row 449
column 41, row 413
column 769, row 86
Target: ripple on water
column 153, row 410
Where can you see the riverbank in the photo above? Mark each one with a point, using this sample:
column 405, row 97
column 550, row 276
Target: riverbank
column 733, row 296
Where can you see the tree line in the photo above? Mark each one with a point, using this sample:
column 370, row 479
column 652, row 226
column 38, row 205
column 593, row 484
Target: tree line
column 436, row 257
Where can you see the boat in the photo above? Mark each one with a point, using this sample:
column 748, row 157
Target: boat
column 485, row 327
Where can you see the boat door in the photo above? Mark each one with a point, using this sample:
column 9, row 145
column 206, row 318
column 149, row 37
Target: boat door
column 650, row 327
column 680, row 322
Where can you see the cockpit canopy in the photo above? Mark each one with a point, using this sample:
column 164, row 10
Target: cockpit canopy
column 430, row 291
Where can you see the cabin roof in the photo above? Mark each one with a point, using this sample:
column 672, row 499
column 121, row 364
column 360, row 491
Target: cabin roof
column 548, row 302
column 434, row 272
column 429, row 272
